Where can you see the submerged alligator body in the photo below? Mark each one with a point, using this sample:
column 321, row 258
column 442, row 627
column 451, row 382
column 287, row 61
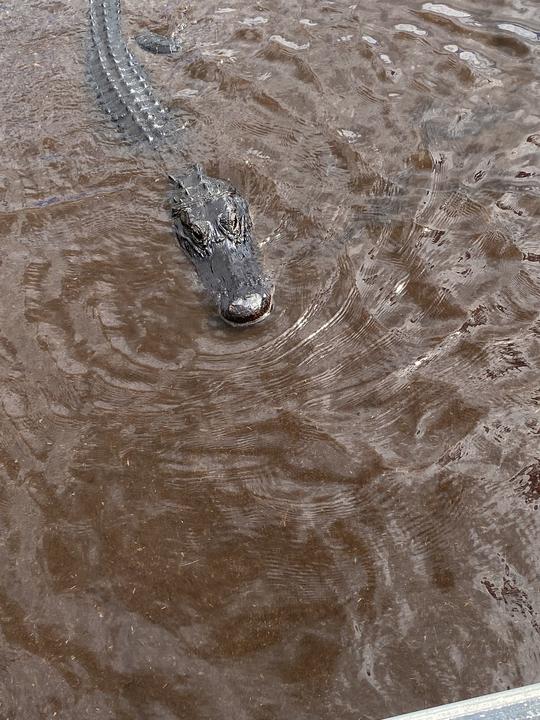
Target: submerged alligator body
column 211, row 219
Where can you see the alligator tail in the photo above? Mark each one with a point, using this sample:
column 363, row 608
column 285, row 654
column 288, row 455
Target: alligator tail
column 122, row 87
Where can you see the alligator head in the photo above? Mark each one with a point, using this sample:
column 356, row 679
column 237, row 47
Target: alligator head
column 213, row 225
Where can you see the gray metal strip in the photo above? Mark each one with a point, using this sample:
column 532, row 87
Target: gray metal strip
column 519, row 704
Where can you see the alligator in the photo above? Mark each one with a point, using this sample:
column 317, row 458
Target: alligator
column 211, row 219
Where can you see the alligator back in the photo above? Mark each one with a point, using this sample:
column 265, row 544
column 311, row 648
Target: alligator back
column 121, row 84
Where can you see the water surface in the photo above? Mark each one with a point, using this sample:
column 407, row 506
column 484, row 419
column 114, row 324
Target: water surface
column 332, row 514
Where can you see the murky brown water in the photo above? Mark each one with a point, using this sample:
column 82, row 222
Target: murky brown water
column 331, row 515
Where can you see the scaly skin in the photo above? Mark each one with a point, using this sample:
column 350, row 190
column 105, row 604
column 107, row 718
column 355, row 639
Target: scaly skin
column 211, row 219
column 157, row 44
column 121, row 84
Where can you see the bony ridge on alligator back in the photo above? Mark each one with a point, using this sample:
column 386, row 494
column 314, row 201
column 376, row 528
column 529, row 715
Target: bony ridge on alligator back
column 211, row 219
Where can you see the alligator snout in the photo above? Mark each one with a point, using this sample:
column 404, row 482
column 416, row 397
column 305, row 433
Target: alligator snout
column 246, row 309
column 234, row 275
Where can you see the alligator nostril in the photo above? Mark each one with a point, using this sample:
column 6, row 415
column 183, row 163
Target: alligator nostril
column 247, row 309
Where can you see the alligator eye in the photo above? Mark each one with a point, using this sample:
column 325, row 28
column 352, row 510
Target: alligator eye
column 234, row 223
column 198, row 233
